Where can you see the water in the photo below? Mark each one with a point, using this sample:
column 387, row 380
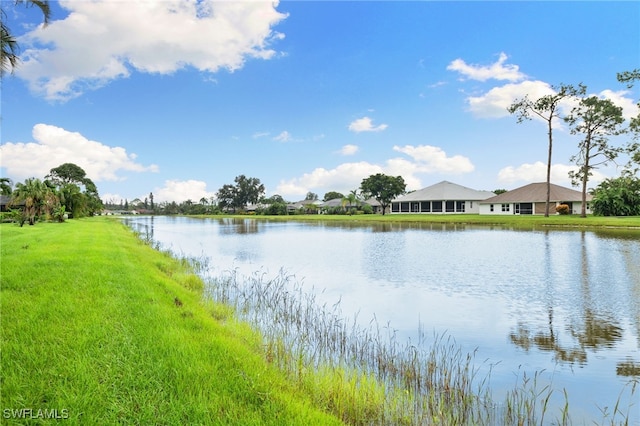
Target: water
column 564, row 303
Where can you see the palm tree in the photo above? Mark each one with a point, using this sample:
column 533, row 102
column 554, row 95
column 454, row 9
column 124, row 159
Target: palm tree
column 32, row 193
column 5, row 186
column 9, row 45
column 73, row 199
column 350, row 199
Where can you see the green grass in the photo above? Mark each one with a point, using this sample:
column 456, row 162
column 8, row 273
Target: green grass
column 102, row 328
column 510, row 221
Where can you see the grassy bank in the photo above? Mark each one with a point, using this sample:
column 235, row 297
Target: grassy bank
column 510, row 221
column 99, row 328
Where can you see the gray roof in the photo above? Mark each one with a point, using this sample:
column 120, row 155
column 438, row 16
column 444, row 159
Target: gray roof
column 537, row 192
column 445, row 191
column 337, row 202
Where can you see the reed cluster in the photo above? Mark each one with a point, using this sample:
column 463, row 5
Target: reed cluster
column 366, row 375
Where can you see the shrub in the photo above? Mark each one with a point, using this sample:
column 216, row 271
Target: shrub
column 562, row 209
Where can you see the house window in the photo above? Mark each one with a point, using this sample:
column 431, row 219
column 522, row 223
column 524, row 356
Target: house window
column 404, row 207
column 415, row 207
column 426, row 206
column 460, row 206
column 449, row 206
column 395, row 207
column 491, row 207
column 436, row 206
column 505, row 207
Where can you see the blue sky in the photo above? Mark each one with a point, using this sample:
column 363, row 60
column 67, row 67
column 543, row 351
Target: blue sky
column 179, row 97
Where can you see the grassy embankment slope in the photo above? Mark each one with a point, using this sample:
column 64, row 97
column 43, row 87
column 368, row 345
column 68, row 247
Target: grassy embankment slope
column 102, row 328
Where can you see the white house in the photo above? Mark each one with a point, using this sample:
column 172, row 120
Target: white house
column 442, row 198
column 531, row 199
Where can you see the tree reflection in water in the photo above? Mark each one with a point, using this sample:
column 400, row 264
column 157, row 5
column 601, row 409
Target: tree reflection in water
column 594, row 331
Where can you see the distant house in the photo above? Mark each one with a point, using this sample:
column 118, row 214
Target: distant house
column 531, row 199
column 4, row 203
column 304, row 205
column 441, row 198
column 339, row 203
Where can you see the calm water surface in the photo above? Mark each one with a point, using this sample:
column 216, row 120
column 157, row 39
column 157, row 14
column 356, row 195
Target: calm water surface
column 563, row 303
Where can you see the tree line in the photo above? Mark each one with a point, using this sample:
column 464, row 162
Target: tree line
column 65, row 192
column 248, row 194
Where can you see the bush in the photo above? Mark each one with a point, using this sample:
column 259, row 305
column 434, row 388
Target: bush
column 617, row 197
column 562, row 209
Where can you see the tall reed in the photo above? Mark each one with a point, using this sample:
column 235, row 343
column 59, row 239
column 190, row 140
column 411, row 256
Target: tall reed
column 366, row 375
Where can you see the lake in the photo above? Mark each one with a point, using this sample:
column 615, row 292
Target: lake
column 564, row 303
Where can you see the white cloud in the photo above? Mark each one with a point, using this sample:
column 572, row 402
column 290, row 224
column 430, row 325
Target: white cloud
column 103, row 40
column 284, row 136
column 365, row 124
column 424, row 159
column 497, row 71
column 111, row 198
column 54, row 146
column 259, row 135
column 629, row 107
column 348, row 150
column 495, row 102
column 182, row 190
column 432, row 159
column 343, row 178
column 537, row 172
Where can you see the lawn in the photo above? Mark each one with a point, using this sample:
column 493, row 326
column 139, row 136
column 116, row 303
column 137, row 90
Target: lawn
column 99, row 328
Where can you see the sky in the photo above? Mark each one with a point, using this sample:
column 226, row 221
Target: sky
column 178, row 97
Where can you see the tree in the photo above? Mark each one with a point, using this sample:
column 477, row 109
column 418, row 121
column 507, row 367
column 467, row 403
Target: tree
column 9, row 45
column 546, row 108
column 276, row 198
column 311, row 196
column 73, row 200
column 383, row 188
column 617, row 196
column 70, row 179
column 227, row 197
column 633, row 148
column 5, row 186
column 249, row 190
column 350, row 199
column 151, row 201
column 596, row 119
column 245, row 191
column 332, row 195
column 70, row 173
column 32, row 193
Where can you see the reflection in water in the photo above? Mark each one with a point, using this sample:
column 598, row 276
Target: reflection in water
column 628, row 367
column 588, row 329
column 596, row 332
column 233, row 226
column 563, row 298
column 524, row 338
